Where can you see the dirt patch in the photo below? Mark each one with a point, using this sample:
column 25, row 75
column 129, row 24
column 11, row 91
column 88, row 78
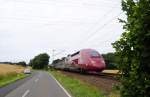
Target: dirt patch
column 103, row 83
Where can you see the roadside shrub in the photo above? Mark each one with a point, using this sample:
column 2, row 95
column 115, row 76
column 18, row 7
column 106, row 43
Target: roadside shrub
column 134, row 49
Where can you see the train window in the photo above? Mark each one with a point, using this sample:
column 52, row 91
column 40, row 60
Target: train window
column 94, row 54
column 75, row 54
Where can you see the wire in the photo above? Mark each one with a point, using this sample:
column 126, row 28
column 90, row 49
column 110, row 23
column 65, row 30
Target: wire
column 59, row 52
column 73, row 4
column 102, row 27
column 40, row 21
column 100, row 20
column 109, row 39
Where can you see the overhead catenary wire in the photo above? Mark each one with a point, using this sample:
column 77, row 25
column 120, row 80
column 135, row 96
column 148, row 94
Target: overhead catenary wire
column 72, row 4
column 98, row 43
column 46, row 22
column 56, row 54
column 100, row 28
column 59, row 52
column 91, row 35
column 99, row 21
column 104, row 41
column 59, row 22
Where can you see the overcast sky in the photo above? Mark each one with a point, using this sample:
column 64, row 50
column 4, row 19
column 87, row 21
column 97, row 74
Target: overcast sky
column 30, row 27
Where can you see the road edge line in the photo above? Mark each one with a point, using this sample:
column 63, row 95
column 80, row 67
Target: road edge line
column 60, row 86
column 26, row 93
column 36, row 80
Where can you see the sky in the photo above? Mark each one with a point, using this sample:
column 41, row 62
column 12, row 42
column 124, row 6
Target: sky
column 57, row 27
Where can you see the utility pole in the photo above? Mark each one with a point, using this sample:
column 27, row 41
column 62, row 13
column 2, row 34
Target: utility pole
column 53, row 55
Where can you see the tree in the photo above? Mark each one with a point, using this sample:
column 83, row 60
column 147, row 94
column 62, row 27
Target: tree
column 134, row 49
column 23, row 63
column 111, row 60
column 40, row 61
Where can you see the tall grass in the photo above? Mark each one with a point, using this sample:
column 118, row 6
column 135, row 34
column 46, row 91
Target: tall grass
column 10, row 73
column 10, row 77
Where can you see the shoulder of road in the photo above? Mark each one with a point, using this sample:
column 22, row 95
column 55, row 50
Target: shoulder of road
column 39, row 84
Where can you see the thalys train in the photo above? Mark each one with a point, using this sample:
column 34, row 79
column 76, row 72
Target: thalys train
column 85, row 60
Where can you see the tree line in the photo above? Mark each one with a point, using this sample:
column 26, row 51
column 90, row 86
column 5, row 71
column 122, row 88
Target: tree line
column 22, row 63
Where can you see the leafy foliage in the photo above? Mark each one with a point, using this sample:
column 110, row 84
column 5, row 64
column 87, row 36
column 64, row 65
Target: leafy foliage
column 111, row 60
column 134, row 49
column 23, row 63
column 40, row 61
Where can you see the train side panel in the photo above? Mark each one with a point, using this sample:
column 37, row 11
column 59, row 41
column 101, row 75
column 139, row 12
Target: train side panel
column 86, row 59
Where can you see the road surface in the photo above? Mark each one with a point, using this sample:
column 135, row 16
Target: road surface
column 41, row 84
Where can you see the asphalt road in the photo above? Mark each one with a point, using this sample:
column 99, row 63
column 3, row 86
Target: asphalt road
column 8, row 88
column 41, row 84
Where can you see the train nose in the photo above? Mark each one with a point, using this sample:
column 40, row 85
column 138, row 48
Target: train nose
column 93, row 62
column 103, row 62
column 98, row 64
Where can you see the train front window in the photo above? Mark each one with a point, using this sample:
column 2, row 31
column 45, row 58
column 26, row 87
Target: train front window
column 94, row 54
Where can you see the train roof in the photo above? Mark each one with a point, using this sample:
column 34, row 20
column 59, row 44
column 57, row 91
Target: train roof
column 82, row 50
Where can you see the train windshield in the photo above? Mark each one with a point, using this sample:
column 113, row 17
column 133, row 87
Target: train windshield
column 94, row 54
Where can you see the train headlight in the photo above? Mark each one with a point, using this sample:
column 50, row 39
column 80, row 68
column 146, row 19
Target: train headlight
column 93, row 62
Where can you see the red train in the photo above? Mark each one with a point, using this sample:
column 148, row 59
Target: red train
column 83, row 60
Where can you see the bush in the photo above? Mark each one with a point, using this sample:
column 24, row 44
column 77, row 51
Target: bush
column 134, row 49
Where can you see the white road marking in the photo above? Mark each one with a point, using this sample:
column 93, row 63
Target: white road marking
column 26, row 93
column 61, row 86
column 36, row 80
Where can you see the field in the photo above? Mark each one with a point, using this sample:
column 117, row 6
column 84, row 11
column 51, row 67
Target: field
column 6, row 68
column 10, row 73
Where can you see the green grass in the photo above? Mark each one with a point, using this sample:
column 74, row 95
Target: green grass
column 9, row 78
column 76, row 87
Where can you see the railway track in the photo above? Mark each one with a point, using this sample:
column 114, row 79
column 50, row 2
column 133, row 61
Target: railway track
column 107, row 75
column 104, row 76
column 102, row 81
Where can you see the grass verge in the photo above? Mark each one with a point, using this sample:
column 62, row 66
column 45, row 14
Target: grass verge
column 10, row 77
column 76, row 87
